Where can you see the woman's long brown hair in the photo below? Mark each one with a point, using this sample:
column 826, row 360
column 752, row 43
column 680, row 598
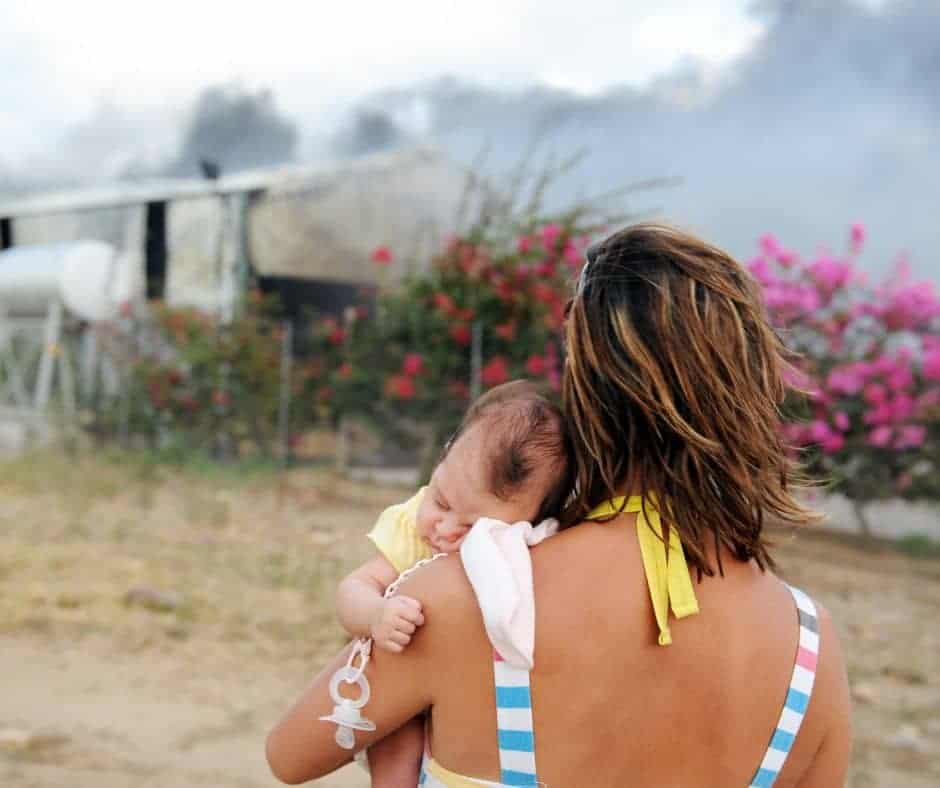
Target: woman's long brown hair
column 672, row 386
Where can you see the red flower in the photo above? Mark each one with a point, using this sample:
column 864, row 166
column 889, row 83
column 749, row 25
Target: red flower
column 496, row 371
column 221, row 398
column 400, row 387
column 464, row 314
column 460, row 333
column 544, row 293
column 536, row 365
column 382, row 255
column 506, row 330
column 413, row 364
column 337, row 336
column 345, row 370
column 445, row 303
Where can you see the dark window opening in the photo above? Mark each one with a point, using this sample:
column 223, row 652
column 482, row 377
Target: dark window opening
column 6, row 232
column 303, row 300
column 155, row 250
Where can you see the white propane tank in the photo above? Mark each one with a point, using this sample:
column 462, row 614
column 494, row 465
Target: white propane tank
column 89, row 277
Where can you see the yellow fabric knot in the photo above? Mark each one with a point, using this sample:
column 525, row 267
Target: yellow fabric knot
column 667, row 573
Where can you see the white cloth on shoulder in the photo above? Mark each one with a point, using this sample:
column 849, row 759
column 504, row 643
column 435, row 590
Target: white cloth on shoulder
column 496, row 559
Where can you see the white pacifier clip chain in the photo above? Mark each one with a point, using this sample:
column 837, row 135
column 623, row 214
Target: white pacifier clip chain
column 346, row 714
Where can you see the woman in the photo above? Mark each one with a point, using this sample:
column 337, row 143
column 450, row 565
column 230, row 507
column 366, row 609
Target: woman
column 671, row 389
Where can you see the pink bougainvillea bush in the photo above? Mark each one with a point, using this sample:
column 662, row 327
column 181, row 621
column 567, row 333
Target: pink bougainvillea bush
column 870, row 366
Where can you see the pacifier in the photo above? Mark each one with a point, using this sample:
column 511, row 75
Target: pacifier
column 346, row 710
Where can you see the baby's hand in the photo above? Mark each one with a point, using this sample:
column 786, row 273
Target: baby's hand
column 396, row 622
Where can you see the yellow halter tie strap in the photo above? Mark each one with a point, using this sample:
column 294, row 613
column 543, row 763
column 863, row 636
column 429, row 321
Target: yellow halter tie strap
column 667, row 573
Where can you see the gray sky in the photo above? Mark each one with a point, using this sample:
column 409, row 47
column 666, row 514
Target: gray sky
column 62, row 61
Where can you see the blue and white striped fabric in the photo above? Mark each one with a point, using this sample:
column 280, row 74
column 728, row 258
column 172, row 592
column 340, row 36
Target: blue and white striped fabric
column 514, row 730
column 517, row 737
column 798, row 693
column 514, row 724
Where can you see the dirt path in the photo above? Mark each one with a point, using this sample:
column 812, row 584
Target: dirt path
column 98, row 718
column 98, row 692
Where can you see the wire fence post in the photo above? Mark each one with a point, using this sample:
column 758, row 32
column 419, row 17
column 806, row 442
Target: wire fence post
column 476, row 359
column 283, row 415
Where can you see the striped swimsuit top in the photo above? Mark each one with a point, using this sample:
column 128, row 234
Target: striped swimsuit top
column 516, row 736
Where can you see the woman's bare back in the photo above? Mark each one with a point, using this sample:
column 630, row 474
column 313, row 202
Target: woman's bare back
column 613, row 708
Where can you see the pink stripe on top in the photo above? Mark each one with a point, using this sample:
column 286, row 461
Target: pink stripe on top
column 807, row 658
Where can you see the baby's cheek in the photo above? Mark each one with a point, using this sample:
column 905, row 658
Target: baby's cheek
column 424, row 522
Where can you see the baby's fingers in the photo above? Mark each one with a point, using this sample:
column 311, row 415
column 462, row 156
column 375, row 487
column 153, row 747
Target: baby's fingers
column 402, row 639
column 407, row 603
column 405, row 626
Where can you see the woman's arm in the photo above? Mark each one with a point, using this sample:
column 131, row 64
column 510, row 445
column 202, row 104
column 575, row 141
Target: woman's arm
column 301, row 747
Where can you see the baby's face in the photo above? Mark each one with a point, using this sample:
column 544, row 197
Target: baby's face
column 457, row 496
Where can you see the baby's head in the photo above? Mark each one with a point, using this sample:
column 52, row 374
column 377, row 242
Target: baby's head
column 509, row 460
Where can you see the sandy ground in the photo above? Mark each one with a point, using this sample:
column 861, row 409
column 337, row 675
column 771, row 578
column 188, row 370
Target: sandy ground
column 100, row 691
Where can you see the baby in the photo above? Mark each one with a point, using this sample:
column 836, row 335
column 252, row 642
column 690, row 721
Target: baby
column 508, row 460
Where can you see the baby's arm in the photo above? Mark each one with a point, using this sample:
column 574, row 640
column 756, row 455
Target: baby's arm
column 363, row 611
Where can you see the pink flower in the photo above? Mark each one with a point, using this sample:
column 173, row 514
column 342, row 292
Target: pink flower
column 787, row 257
column 875, row 394
column 572, row 255
column 856, row 237
column 841, row 420
column 847, row 379
column 550, row 235
column 834, row 442
column 382, row 255
column 932, row 364
column 831, row 274
column 545, row 268
column 880, row 437
column 928, row 400
column 543, row 293
column 769, row 244
column 819, row 431
column 412, row 364
column 760, row 269
column 911, row 436
column 900, row 378
column 524, row 244
column 495, row 371
column 903, row 406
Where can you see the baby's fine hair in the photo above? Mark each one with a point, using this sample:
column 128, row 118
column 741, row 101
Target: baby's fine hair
column 524, row 430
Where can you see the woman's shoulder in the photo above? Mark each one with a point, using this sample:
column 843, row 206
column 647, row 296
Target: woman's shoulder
column 441, row 584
